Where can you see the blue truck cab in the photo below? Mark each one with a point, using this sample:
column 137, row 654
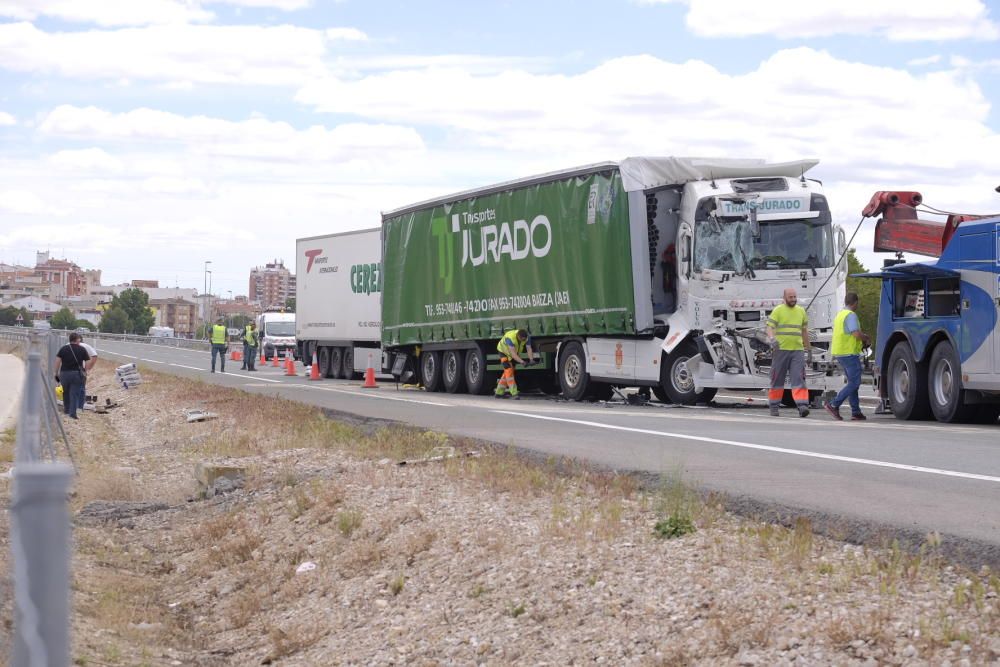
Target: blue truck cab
column 938, row 348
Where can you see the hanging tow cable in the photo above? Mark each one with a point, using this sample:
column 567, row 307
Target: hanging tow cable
column 847, row 248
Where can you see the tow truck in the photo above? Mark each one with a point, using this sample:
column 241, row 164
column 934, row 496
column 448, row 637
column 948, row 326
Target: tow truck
column 938, row 348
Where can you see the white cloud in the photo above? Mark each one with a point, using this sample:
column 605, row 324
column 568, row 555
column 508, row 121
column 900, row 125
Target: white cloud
column 896, row 20
column 7, row 119
column 24, row 202
column 179, row 54
column 345, row 34
column 86, row 159
column 106, row 12
column 255, row 138
column 285, row 5
column 920, row 62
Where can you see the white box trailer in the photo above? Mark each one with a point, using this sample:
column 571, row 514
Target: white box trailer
column 338, row 301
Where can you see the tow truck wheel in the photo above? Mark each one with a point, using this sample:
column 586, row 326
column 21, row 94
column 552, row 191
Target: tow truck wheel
column 945, row 379
column 349, row 362
column 336, row 362
column 453, row 369
column 323, row 358
column 430, row 370
column 573, row 376
column 677, row 381
column 906, row 384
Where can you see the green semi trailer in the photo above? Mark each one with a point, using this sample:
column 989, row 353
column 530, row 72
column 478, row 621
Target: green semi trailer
column 600, row 264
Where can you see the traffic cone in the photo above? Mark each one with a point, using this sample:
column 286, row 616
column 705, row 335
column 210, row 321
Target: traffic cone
column 369, row 375
column 274, row 361
column 290, row 367
column 263, row 359
column 236, row 355
column 314, row 371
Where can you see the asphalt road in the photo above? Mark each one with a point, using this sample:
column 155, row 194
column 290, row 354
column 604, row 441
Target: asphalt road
column 898, row 478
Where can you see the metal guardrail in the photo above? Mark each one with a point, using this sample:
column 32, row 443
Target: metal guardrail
column 40, row 531
column 63, row 334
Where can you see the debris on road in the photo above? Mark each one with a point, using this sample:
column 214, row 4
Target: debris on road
column 437, row 454
column 198, row 415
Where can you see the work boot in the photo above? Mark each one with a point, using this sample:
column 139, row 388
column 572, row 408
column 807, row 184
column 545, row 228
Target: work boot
column 774, row 412
column 499, row 395
column 859, row 418
column 516, row 398
column 803, row 411
column 834, row 412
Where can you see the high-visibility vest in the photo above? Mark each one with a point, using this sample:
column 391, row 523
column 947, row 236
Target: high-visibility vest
column 510, row 339
column 843, row 344
column 218, row 334
column 250, row 336
column 787, row 324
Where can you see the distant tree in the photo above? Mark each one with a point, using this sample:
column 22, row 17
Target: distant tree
column 85, row 324
column 115, row 320
column 64, row 319
column 135, row 304
column 869, row 292
column 290, row 304
column 239, row 321
column 8, row 316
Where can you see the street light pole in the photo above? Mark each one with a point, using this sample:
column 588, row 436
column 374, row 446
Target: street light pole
column 204, row 296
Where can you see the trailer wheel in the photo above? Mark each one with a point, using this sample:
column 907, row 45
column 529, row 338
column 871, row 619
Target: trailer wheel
column 944, row 378
column 336, row 362
column 476, row 377
column 600, row 391
column 661, row 394
column 906, row 384
column 323, row 356
column 677, row 381
column 348, row 363
column 453, row 371
column 573, row 376
column 430, row 370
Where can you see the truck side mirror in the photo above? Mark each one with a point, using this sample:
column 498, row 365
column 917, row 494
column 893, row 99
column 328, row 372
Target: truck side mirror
column 686, row 255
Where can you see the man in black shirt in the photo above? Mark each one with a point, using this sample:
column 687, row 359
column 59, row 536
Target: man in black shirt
column 70, row 372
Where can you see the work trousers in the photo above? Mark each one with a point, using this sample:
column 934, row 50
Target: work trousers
column 246, row 356
column 82, row 396
column 852, row 371
column 506, row 383
column 220, row 350
column 790, row 363
column 251, row 356
column 70, row 381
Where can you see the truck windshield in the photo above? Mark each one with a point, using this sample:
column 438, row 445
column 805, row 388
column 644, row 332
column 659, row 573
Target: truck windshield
column 783, row 244
column 279, row 329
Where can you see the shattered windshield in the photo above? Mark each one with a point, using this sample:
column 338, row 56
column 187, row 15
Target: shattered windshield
column 728, row 245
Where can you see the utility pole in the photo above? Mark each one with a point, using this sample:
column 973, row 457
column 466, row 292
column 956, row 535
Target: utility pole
column 204, row 297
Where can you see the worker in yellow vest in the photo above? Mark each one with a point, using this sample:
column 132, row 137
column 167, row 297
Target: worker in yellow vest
column 848, row 340
column 511, row 346
column 251, row 339
column 788, row 331
column 219, row 344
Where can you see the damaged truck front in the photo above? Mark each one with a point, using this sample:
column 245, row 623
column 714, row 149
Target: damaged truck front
column 650, row 272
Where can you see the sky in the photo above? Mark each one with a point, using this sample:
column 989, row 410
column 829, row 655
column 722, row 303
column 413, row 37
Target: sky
column 146, row 137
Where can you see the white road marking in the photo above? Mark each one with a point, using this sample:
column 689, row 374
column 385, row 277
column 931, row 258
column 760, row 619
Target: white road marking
column 194, row 368
column 766, row 448
column 384, row 398
column 258, row 379
column 152, row 361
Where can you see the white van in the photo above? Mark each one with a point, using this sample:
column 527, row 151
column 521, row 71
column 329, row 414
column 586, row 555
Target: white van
column 277, row 334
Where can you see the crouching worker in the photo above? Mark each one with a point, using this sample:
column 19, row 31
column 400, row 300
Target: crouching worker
column 511, row 347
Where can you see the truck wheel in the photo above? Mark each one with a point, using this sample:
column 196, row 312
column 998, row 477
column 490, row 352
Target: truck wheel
column 944, row 378
column 453, row 371
column 573, row 376
column 906, row 384
column 323, row 356
column 661, row 394
column 676, row 379
column 348, row 363
column 476, row 377
column 336, row 362
column 600, row 391
column 430, row 370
